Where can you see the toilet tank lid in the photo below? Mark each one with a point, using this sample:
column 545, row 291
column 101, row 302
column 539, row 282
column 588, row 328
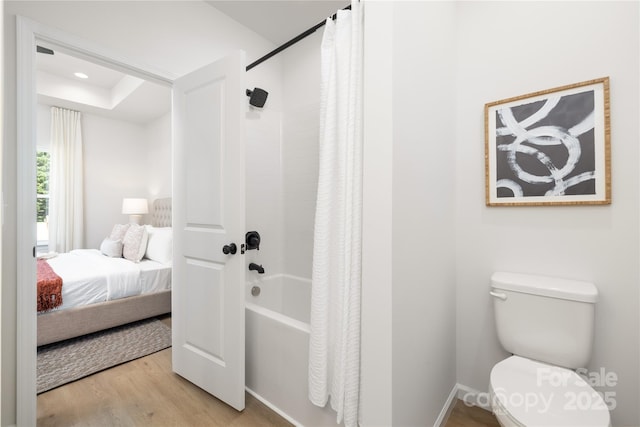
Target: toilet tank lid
column 574, row 290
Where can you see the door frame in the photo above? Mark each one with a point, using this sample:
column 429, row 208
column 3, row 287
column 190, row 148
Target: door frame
column 28, row 33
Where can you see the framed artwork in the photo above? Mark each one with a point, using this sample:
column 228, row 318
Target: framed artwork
column 550, row 147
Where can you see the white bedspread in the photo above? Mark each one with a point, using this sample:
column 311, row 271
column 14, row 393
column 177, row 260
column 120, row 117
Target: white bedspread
column 90, row 277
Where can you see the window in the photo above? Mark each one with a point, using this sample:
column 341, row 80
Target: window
column 42, row 196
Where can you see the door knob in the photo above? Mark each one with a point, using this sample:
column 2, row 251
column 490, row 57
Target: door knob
column 230, row 249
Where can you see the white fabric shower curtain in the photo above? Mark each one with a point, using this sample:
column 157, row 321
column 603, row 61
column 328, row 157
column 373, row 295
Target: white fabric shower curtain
column 334, row 347
column 66, row 199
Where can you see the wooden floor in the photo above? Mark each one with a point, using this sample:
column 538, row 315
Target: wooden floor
column 145, row 392
column 470, row 416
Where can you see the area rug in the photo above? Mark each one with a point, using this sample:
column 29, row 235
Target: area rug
column 66, row 361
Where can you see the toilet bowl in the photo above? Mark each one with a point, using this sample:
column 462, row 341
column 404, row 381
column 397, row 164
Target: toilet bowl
column 526, row 393
column 547, row 324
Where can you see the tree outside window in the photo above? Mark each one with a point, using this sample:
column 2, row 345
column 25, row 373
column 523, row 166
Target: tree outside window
column 42, row 196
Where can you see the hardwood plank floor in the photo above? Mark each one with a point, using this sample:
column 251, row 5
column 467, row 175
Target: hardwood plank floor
column 145, row 392
column 470, row 416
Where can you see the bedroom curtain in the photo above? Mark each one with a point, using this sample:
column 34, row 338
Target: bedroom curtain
column 334, row 346
column 66, row 199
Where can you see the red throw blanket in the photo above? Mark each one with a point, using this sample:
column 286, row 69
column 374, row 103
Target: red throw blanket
column 49, row 287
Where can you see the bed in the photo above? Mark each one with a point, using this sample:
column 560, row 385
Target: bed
column 100, row 292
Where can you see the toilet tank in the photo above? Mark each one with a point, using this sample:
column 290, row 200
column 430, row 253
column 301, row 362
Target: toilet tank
column 544, row 318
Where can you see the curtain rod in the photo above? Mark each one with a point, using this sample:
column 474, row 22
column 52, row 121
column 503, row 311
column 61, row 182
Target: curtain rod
column 291, row 42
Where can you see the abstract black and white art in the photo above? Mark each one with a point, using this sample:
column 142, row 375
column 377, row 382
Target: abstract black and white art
column 550, row 147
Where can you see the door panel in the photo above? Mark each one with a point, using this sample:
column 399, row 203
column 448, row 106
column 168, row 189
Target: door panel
column 209, row 210
column 205, row 130
column 204, row 300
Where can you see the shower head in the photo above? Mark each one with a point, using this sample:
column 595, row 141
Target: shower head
column 257, row 97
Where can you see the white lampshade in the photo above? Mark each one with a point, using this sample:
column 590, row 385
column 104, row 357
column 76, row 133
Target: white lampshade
column 135, row 208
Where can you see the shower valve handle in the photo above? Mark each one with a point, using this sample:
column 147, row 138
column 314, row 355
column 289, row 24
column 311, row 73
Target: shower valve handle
column 230, row 249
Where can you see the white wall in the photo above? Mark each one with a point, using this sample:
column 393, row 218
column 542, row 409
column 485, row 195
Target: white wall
column 282, row 165
column 508, row 49
column 377, row 239
column 423, row 268
column 264, row 187
column 174, row 36
column 158, row 139
column 594, row 243
column 121, row 159
column 300, row 127
column 115, row 162
column 43, row 133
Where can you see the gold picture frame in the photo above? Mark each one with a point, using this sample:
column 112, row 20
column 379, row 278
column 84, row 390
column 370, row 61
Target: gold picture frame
column 550, row 147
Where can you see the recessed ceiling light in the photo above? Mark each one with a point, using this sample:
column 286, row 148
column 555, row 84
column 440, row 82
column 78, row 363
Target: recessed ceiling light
column 81, row 75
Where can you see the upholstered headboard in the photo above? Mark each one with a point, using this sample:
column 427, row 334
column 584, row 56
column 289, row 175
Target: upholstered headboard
column 161, row 216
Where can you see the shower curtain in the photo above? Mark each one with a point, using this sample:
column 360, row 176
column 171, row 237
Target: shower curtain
column 334, row 347
column 66, row 200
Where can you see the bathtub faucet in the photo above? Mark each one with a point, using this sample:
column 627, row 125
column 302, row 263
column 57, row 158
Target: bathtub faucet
column 256, row 267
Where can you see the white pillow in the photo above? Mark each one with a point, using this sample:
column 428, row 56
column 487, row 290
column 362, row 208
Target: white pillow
column 159, row 246
column 111, row 248
column 135, row 243
column 118, row 231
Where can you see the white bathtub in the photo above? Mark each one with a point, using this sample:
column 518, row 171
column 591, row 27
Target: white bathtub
column 277, row 349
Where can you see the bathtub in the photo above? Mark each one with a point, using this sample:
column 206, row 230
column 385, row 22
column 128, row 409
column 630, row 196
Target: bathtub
column 277, row 349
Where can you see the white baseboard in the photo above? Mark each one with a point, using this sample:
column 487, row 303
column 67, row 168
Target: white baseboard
column 447, row 408
column 273, row 407
column 474, row 397
column 468, row 395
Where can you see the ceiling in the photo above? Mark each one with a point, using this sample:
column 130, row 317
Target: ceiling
column 113, row 94
column 105, row 92
column 279, row 21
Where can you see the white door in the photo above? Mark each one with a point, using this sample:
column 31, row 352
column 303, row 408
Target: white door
column 209, row 213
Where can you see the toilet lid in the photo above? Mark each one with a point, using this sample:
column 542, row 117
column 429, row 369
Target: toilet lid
column 538, row 394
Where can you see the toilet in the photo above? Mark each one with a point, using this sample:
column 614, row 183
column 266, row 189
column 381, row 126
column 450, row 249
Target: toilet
column 547, row 324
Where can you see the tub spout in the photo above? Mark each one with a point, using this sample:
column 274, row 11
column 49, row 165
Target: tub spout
column 256, row 267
